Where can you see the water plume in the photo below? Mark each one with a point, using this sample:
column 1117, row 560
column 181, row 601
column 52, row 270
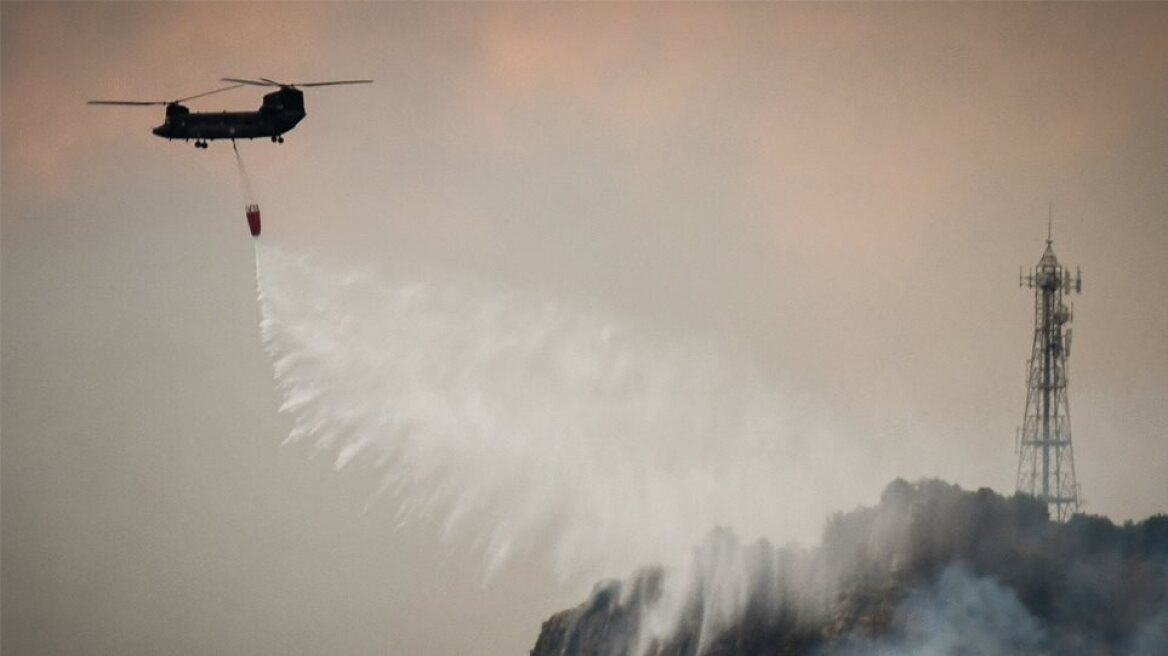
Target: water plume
column 516, row 422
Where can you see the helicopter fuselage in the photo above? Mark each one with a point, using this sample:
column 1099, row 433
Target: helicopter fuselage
column 279, row 113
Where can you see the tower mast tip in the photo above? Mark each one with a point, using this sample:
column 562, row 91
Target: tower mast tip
column 1050, row 222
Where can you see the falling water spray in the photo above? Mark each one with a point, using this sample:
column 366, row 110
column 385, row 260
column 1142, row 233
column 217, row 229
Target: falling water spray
column 521, row 425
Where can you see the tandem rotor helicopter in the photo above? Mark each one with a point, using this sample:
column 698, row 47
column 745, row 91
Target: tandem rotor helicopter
column 280, row 112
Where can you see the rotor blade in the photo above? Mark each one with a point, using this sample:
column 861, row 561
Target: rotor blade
column 207, row 93
column 127, row 102
column 272, row 82
column 254, row 83
column 326, row 84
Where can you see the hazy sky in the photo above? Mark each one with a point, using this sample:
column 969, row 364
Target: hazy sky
column 841, row 194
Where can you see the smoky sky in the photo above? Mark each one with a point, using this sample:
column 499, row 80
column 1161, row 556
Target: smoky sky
column 841, row 195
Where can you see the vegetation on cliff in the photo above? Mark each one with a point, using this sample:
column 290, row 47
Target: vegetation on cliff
column 930, row 569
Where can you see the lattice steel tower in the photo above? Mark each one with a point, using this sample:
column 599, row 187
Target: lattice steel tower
column 1046, row 462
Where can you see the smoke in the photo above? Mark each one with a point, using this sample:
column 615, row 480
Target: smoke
column 515, row 422
column 959, row 613
column 1152, row 636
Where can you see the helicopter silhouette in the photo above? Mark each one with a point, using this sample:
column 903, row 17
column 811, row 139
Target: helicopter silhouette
column 280, row 111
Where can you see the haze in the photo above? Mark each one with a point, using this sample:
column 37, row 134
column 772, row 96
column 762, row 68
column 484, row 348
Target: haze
column 839, row 195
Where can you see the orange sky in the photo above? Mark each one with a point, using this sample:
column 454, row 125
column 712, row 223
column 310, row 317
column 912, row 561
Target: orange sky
column 841, row 192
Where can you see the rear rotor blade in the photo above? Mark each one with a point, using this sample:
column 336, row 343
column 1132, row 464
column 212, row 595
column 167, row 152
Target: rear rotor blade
column 327, row 84
column 254, row 83
column 207, row 93
column 139, row 103
column 142, row 103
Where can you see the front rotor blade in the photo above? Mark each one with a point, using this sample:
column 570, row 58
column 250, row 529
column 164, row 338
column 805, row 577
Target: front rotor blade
column 139, row 103
column 254, row 83
column 327, row 84
column 207, row 93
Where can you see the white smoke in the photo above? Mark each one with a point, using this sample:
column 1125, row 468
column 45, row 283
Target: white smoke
column 961, row 613
column 519, row 422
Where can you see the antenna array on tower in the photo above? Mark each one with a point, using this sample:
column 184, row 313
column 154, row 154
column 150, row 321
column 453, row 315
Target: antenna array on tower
column 1046, row 462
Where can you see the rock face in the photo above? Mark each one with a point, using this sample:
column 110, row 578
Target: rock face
column 931, row 569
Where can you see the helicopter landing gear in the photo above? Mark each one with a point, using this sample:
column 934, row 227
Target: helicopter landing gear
column 277, row 139
column 200, row 144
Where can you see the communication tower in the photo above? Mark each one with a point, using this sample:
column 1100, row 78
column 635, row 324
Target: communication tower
column 1046, row 462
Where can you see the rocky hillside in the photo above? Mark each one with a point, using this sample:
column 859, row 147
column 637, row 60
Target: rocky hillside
column 931, row 569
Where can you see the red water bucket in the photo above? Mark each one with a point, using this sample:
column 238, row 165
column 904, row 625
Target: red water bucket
column 253, row 219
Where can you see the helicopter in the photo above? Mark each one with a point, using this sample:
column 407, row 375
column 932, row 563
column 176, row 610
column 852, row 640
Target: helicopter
column 281, row 110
